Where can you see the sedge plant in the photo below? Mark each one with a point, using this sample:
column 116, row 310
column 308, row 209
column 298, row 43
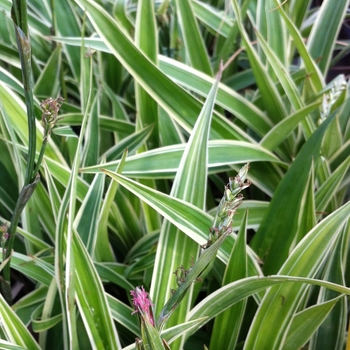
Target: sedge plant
column 101, row 222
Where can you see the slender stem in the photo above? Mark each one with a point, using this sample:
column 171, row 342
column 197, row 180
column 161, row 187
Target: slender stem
column 23, row 198
column 20, row 19
column 40, row 158
column 19, row 14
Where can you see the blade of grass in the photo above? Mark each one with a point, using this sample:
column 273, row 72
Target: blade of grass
column 177, row 247
column 47, row 85
column 196, row 52
column 146, row 39
column 271, row 99
column 313, row 72
column 280, row 303
column 279, row 227
column 325, row 32
column 102, row 248
column 329, row 335
column 176, row 101
column 306, row 323
column 188, row 218
column 92, row 301
column 16, row 331
column 90, row 208
column 234, row 292
column 163, row 162
column 64, row 258
column 232, row 317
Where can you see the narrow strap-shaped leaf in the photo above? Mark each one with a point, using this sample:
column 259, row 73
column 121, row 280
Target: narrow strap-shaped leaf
column 90, row 154
column 281, row 130
column 280, row 303
column 175, row 100
column 188, row 218
column 92, row 301
column 279, row 227
column 271, row 99
column 146, row 40
column 305, row 324
column 163, row 162
column 47, row 84
column 270, row 26
column 175, row 248
column 290, row 88
column 328, row 189
column 64, row 257
column 232, row 318
column 330, row 333
column 121, row 314
column 199, row 83
column 230, row 294
column 102, row 248
column 66, row 24
column 325, row 31
column 8, row 346
column 314, row 74
column 87, row 229
column 212, row 17
column 194, row 44
column 227, row 98
column 15, row 329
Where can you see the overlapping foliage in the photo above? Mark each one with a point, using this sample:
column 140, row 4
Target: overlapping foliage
column 141, row 75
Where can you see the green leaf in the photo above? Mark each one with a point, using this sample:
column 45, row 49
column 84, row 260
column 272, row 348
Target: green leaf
column 64, row 257
column 176, row 101
column 282, row 130
column 8, row 346
column 47, row 85
column 194, row 44
column 40, row 325
column 163, row 162
column 306, row 322
column 66, row 23
column 177, row 247
column 280, row 303
column 232, row 318
column 187, row 218
column 146, row 41
column 279, row 227
column 328, row 189
column 92, row 301
column 91, row 150
column 132, row 143
column 121, row 314
column 15, row 330
column 102, row 248
column 234, row 292
column 325, row 32
column 312, row 70
column 198, row 82
column 272, row 100
column 330, row 334
column 34, row 268
column 90, row 208
column 212, row 17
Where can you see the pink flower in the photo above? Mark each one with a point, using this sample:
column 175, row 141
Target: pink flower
column 142, row 304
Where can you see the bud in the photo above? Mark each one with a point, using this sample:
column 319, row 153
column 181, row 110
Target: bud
column 50, row 109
